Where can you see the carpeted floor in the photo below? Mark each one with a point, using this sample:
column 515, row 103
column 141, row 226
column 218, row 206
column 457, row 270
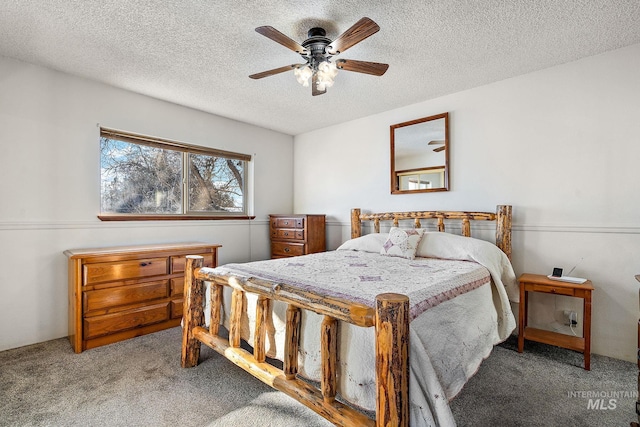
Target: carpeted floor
column 139, row 382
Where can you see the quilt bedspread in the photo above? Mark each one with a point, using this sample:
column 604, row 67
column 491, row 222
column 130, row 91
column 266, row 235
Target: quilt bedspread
column 360, row 276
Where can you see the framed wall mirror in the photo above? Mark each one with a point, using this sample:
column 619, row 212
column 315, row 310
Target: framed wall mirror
column 420, row 155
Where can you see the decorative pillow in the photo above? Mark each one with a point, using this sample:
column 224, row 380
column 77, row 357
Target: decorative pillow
column 368, row 243
column 402, row 242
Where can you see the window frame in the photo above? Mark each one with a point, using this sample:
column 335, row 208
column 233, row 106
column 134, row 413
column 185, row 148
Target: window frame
column 185, row 150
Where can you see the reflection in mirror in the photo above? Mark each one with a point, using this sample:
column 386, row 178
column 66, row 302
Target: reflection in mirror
column 420, row 155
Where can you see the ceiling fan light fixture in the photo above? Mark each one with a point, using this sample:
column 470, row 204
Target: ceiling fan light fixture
column 327, row 71
column 317, row 50
column 303, row 74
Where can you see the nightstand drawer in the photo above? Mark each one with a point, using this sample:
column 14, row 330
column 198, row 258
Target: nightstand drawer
column 287, row 223
column 287, row 234
column 287, row 249
column 558, row 290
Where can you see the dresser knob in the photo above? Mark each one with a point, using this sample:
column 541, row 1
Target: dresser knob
column 286, row 249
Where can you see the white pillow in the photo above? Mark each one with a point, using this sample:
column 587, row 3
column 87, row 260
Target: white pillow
column 402, row 242
column 436, row 244
column 368, row 243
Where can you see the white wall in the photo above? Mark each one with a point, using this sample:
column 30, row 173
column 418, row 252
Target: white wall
column 561, row 145
column 50, row 187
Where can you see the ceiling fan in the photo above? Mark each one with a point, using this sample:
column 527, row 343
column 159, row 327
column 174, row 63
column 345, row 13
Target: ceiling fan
column 317, row 50
column 437, row 142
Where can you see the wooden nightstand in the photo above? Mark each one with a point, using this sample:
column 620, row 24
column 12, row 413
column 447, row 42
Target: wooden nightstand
column 540, row 283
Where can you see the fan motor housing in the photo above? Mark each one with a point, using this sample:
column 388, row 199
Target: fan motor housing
column 316, row 42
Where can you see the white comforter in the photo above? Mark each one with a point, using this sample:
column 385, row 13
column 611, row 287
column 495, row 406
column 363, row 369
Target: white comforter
column 451, row 331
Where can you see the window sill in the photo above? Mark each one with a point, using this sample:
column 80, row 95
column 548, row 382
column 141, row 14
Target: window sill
column 172, row 217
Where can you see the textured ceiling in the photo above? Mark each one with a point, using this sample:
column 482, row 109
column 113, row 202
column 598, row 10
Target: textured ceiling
column 200, row 53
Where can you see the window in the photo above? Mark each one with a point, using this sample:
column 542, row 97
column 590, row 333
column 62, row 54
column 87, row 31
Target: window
column 150, row 178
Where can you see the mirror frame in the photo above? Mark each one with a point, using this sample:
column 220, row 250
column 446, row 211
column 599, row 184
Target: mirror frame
column 394, row 180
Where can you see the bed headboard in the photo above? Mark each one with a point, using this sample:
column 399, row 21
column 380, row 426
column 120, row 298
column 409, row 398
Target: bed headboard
column 502, row 216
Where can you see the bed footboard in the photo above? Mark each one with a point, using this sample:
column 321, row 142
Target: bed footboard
column 390, row 319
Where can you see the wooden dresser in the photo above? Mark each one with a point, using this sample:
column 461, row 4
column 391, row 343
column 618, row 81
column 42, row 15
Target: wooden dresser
column 122, row 292
column 293, row 235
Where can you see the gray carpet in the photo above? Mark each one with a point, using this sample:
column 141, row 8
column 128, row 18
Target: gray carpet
column 139, row 382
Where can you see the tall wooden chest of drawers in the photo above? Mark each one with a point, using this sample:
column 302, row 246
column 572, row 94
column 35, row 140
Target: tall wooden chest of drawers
column 293, row 235
column 122, row 292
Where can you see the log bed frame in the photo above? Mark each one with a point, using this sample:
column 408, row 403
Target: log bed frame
column 390, row 317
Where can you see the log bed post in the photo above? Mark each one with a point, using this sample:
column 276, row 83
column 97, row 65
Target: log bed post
column 263, row 308
column 193, row 312
column 292, row 338
column 356, row 226
column 235, row 317
column 329, row 355
column 503, row 229
column 392, row 360
column 215, row 308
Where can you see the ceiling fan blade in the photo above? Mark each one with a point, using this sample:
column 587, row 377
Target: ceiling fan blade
column 358, row 32
column 436, row 142
column 374, row 68
column 439, row 149
column 314, row 86
column 274, row 71
column 284, row 40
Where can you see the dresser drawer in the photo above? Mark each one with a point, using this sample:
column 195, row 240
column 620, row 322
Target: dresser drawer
column 287, row 222
column 121, row 270
column 124, row 295
column 176, row 308
column 177, row 286
column 287, row 234
column 109, row 323
column 287, row 249
column 178, row 262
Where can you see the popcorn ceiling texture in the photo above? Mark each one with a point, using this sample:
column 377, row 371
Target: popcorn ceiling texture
column 200, row 54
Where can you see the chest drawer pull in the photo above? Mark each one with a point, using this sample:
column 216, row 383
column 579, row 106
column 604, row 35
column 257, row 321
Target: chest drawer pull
column 287, row 250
